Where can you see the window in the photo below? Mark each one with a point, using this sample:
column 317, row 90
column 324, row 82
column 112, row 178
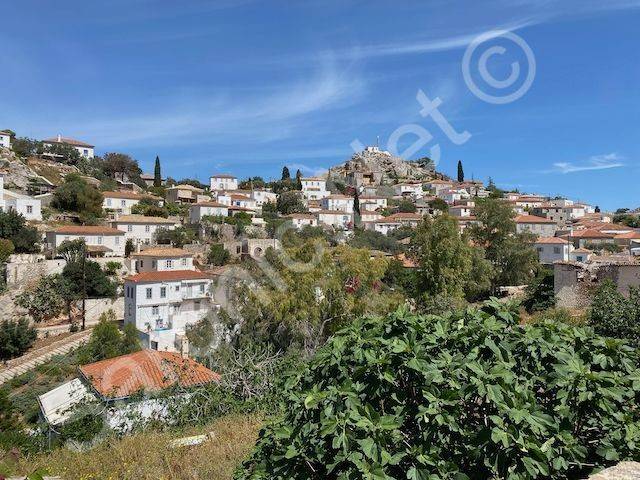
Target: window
column 130, row 309
column 129, row 228
column 153, row 264
column 540, row 249
column 141, row 263
column 163, row 292
column 202, row 288
column 123, row 203
column 155, row 310
column 169, row 264
column 149, row 293
column 117, row 240
column 184, row 261
column 556, row 250
column 29, row 208
column 147, row 228
column 108, row 202
column 177, row 288
column 85, row 152
column 99, row 240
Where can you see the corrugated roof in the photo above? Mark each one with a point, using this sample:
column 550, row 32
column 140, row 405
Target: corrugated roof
column 146, row 370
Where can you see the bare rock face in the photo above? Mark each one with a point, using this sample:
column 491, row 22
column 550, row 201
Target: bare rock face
column 373, row 166
column 622, row 471
column 21, row 174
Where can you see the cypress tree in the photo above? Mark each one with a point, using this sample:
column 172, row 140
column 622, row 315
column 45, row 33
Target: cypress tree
column 285, row 173
column 298, row 179
column 460, row 172
column 157, row 175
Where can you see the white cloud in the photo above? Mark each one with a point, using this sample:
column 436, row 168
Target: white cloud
column 596, row 162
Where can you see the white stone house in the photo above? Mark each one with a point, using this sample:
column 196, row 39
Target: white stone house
column 314, row 188
column 301, row 220
column 335, row 218
column 84, row 149
column 29, row 207
column 411, row 189
column 453, row 195
column 387, row 224
column 238, row 200
column 161, row 259
column 372, row 202
column 582, row 255
column 162, row 304
column 223, row 181
column 5, row 139
column 264, row 196
column 530, row 201
column 539, row 226
column 122, row 202
column 183, row 193
column 140, row 228
column 101, row 241
column 202, row 209
column 574, row 212
column 461, row 211
column 552, row 249
column 342, row 203
column 437, row 186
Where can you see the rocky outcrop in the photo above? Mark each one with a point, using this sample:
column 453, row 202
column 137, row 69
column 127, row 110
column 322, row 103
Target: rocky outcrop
column 26, row 175
column 373, row 166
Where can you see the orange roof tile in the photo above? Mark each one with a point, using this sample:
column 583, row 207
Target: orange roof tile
column 68, row 141
column 167, row 276
column 162, row 252
column 590, row 233
column 147, row 370
column 87, row 230
column 551, row 240
column 142, row 219
column 532, row 219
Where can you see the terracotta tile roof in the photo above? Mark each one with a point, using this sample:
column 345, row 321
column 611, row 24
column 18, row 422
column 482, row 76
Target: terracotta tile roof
column 87, row 230
column 306, row 216
column 406, row 216
column 167, row 276
column 238, row 196
column 222, row 175
column 162, row 252
column 582, row 250
column 186, row 186
column 147, row 370
column 590, row 233
column 68, row 141
column 551, row 240
column 129, row 195
column 210, row 204
column 241, row 209
column 629, row 235
column 333, row 212
column 339, row 196
column 312, row 179
column 532, row 219
column 142, row 219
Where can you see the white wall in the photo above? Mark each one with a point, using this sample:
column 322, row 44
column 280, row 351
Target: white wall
column 540, row 229
column 141, row 232
column 196, row 212
column 223, row 183
column 115, row 242
column 551, row 252
column 162, row 264
column 120, row 205
column 5, row 140
column 29, row 207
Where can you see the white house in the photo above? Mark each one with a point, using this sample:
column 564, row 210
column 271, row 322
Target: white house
column 222, row 181
column 29, row 207
column 101, row 241
column 552, row 249
column 387, row 224
column 453, row 195
column 574, row 212
column 238, row 200
column 140, row 228
column 338, row 202
column 372, row 202
column 542, row 227
column 122, row 202
column 5, row 139
column 461, row 211
column 264, row 196
column 369, row 216
column 161, row 259
column 335, row 218
column 582, row 255
column 314, row 188
column 437, row 186
column 529, row 201
column 83, row 148
column 412, row 189
column 161, row 304
column 301, row 220
column 201, row 209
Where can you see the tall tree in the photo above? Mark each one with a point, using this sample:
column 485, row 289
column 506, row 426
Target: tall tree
column 120, row 166
column 460, row 171
column 356, row 202
column 285, row 173
column 157, row 174
column 76, row 195
column 298, row 179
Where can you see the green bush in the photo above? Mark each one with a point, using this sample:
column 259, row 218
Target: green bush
column 470, row 394
column 613, row 315
column 218, row 255
column 540, row 294
column 15, row 338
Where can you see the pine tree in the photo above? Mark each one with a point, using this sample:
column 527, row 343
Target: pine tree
column 460, row 172
column 298, row 179
column 157, row 175
column 285, row 173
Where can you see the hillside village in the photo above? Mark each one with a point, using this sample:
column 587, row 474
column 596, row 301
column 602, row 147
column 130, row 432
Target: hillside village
column 174, row 269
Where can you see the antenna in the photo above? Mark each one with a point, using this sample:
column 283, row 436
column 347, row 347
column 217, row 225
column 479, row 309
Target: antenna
column 378, row 141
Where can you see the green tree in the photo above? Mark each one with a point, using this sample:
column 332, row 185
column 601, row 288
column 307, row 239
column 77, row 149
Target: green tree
column 76, row 195
column 406, row 206
column 460, row 171
column 439, row 204
column 13, row 227
column 285, row 173
column 129, row 248
column 25, row 147
column 298, row 180
column 88, row 280
column 613, row 315
column 539, row 294
column 6, row 249
column 9, row 416
column 157, row 174
column 218, row 255
column 510, row 253
column 16, row 337
column 42, row 300
column 178, row 237
column 120, row 166
column 73, row 250
column 470, row 394
column 290, row 202
column 107, row 341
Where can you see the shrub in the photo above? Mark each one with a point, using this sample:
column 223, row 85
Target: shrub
column 13, row 226
column 15, row 338
column 42, row 300
column 470, row 394
column 218, row 255
column 613, row 315
column 106, row 341
column 539, row 294
column 112, row 268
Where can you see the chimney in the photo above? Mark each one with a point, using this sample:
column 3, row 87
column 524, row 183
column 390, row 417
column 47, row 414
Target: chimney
column 59, row 138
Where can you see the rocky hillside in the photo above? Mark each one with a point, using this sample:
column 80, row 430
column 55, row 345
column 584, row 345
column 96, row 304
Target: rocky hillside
column 381, row 167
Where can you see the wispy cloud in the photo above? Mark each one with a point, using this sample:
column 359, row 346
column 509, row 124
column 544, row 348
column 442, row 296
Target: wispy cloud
column 596, row 162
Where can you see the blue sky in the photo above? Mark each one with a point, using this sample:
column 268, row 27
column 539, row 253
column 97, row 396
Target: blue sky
column 246, row 86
